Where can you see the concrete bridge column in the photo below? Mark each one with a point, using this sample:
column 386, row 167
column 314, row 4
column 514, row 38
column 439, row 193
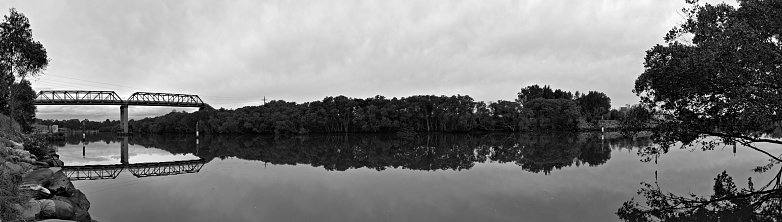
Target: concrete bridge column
column 123, row 116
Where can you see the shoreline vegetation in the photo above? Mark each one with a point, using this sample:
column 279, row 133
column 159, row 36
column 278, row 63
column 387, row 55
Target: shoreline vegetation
column 536, row 109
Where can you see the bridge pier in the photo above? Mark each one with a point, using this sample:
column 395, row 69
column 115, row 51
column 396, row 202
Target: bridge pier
column 77, row 97
column 123, row 116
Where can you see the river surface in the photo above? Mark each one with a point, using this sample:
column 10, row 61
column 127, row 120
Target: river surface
column 436, row 177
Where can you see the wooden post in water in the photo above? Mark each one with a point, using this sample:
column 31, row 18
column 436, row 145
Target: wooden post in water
column 197, row 137
column 83, row 144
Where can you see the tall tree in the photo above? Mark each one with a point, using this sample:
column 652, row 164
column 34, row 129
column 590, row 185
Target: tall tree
column 719, row 75
column 23, row 104
column 20, row 55
column 594, row 104
column 725, row 82
column 532, row 92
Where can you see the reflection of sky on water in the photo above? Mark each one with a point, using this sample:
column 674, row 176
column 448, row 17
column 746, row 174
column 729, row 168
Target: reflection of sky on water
column 239, row 190
column 103, row 154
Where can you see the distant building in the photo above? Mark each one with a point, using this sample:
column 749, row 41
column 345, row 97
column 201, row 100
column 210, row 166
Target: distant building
column 46, row 129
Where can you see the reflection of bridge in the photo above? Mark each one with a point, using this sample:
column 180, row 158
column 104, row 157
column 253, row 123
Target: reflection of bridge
column 75, row 97
column 111, row 171
column 96, row 172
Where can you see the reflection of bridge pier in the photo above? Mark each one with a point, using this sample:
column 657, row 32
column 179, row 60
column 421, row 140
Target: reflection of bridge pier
column 124, row 151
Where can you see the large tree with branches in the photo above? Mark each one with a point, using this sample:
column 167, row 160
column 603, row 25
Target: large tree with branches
column 719, row 75
column 716, row 81
column 20, row 57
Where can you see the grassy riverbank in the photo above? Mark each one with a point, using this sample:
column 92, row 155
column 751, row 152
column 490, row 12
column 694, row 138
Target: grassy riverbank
column 15, row 162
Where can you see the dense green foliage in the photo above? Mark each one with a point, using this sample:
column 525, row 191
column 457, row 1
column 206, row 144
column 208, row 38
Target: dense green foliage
column 593, row 105
column 20, row 57
column 557, row 114
column 726, row 82
column 549, row 110
column 536, row 92
column 724, row 86
column 344, row 115
column 23, row 107
column 75, row 124
column 38, row 145
column 378, row 114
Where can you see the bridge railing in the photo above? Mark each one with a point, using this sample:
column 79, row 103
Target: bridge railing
column 75, row 97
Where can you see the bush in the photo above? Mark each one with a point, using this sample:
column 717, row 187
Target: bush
column 37, row 144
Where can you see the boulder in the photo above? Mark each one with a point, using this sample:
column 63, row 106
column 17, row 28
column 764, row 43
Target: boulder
column 62, row 209
column 78, row 203
column 39, row 176
column 48, row 208
column 31, row 209
column 9, row 169
column 53, row 162
column 36, row 209
column 40, row 164
column 59, row 182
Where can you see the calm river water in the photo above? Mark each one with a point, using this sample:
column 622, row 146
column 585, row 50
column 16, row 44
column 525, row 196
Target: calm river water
column 437, row 177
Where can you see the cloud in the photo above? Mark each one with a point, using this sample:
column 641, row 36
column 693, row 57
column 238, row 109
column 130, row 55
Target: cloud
column 235, row 53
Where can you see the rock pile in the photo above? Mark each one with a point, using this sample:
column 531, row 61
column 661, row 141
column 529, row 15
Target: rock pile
column 54, row 197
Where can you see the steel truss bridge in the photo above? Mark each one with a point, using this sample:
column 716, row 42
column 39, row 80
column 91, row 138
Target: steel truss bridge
column 74, row 97
column 79, row 97
column 98, row 172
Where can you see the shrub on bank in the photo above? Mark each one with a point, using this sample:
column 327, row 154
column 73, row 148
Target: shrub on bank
column 37, row 144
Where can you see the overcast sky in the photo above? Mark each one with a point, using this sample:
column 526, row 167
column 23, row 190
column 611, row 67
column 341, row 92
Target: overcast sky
column 233, row 53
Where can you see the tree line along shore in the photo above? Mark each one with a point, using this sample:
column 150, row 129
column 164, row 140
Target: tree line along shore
column 535, row 109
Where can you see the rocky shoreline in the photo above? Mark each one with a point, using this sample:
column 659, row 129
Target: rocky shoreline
column 34, row 188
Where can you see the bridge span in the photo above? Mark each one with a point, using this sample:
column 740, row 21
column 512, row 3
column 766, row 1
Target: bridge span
column 81, row 97
column 99, row 172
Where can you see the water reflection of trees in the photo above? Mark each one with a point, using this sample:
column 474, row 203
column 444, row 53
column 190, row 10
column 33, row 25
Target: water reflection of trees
column 533, row 152
column 728, row 203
